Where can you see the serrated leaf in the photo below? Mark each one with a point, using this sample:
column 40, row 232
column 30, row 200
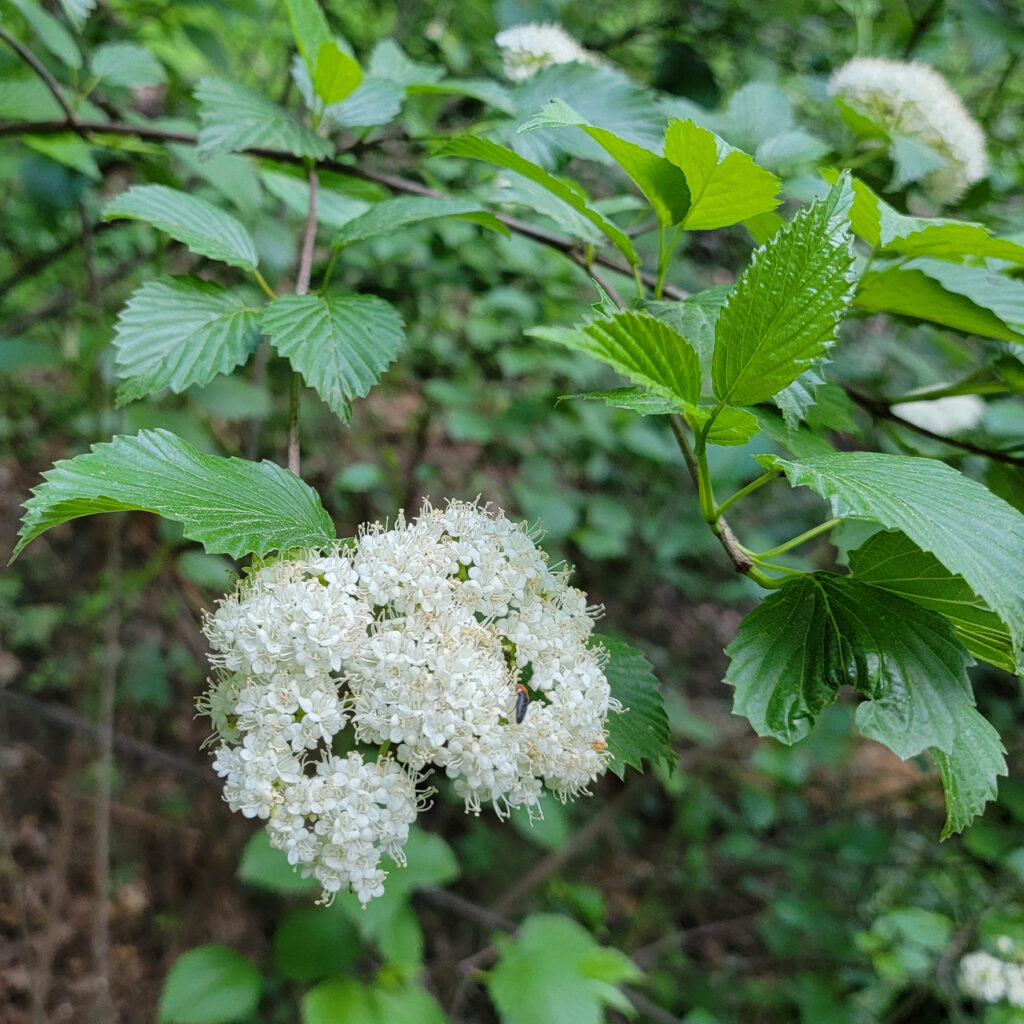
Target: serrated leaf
column 637, row 400
column 204, row 228
column 377, row 101
column 730, row 427
column 335, row 74
column 796, row 399
column 896, row 289
column 234, row 118
column 78, row 11
column 893, row 562
column 641, row 731
column 231, row 506
column 476, row 148
column 969, row 772
column 694, row 317
column 128, row 65
column 549, row 972
column 391, row 214
column 726, row 186
column 209, row 985
column 972, row 532
column 661, row 182
column 640, row 347
column 51, row 33
column 178, row 331
column 784, row 312
column 820, row 632
column 341, row 344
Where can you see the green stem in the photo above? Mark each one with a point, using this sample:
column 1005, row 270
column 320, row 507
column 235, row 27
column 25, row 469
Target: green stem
column 807, row 535
column 262, row 282
column 335, row 252
column 764, row 478
column 662, row 261
column 383, row 751
column 639, row 282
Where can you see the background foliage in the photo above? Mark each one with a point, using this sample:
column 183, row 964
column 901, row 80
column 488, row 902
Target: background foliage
column 756, row 881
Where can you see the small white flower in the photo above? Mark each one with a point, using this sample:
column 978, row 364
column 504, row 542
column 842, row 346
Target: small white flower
column 947, row 416
column 981, row 976
column 914, row 99
column 527, row 48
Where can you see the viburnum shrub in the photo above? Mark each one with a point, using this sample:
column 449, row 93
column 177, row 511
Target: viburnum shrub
column 350, row 672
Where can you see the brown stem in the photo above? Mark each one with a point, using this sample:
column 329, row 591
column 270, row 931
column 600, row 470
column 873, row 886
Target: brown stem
column 40, row 69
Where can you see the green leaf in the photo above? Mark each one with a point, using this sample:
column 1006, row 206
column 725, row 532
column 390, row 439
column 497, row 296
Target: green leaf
column 661, row 182
column 640, row 732
column 234, row 118
column 798, row 398
column 341, row 345
column 819, row 632
column 351, row 1002
column 893, row 562
column 695, row 317
column 385, row 217
column 52, row 34
column 553, row 970
column 209, row 985
column 473, row 147
column 1001, row 295
column 336, row 74
column 637, row 400
column 231, row 506
column 640, row 347
column 726, row 186
column 896, row 289
column 128, row 65
column 68, row 149
column 333, row 209
column 913, row 159
column 785, row 310
column 972, row 532
column 309, row 30
column 77, row 11
column 178, row 331
column 266, row 868
column 492, row 93
column 730, row 427
column 970, row 770
column 316, row 942
column 205, row 229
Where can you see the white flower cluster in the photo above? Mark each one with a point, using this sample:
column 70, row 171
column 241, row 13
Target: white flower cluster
column 525, row 49
column 914, row 99
column 447, row 641
column 950, row 415
column 992, row 980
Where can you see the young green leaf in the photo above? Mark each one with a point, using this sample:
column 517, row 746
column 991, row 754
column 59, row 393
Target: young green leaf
column 209, row 985
column 640, row 347
column 128, row 65
column 231, row 506
column 893, row 562
column 640, row 732
column 819, row 632
column 971, row 531
column 661, row 182
column 205, row 229
column 553, row 970
column 234, row 118
column 785, row 310
column 387, row 216
column 309, row 30
column 336, row 74
column 970, row 770
column 725, row 185
column 178, row 331
column 341, row 345
column 473, row 147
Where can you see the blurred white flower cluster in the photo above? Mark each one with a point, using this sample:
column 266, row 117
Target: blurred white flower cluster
column 425, row 640
column 950, row 415
column 914, row 99
column 525, row 49
column 991, row 979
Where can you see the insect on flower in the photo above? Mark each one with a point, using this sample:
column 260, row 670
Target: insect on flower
column 522, row 702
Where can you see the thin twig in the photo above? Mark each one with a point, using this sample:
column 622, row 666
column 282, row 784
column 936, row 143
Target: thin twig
column 40, row 69
column 881, row 409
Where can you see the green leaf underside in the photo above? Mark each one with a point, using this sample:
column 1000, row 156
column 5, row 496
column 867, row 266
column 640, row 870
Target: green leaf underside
column 234, row 118
column 785, row 310
column 893, row 562
column 819, row 632
column 640, row 347
column 796, row 399
column 909, row 291
column 641, row 731
column 128, row 65
column 210, row 984
column 178, row 331
column 477, row 148
column 205, row 229
column 341, row 345
column 972, row 532
column 970, row 770
column 231, row 506
column 553, row 970
column 392, row 214
column 725, row 185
